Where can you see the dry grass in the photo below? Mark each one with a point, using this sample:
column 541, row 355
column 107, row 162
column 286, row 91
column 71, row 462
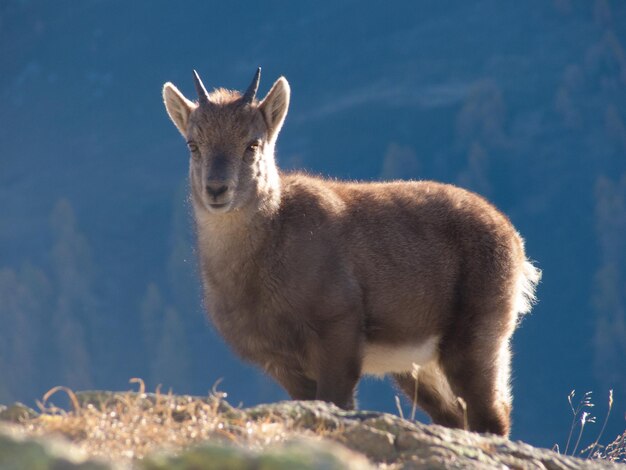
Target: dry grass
column 131, row 425
column 613, row 452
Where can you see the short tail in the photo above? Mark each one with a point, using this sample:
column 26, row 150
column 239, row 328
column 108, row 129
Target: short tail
column 526, row 287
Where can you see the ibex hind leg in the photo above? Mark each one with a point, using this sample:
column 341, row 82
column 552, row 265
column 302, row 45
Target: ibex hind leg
column 477, row 368
column 433, row 395
column 297, row 385
column 488, row 408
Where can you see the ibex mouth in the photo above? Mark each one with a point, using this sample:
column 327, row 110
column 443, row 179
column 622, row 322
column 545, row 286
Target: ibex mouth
column 219, row 207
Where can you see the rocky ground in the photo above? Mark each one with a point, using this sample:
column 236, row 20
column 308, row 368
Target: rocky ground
column 107, row 430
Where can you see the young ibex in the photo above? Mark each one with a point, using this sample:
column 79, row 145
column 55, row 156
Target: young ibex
column 320, row 281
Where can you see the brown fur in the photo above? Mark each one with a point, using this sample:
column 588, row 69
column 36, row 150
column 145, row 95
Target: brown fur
column 302, row 275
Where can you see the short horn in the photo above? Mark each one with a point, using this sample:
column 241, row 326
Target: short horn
column 250, row 93
column 203, row 96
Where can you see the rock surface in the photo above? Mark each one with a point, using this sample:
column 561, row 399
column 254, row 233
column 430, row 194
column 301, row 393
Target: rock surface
column 18, row 452
column 297, row 454
column 388, row 439
column 335, row 439
column 16, row 413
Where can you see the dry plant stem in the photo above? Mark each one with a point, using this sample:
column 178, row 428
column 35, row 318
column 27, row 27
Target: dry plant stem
column 616, row 450
column 58, row 388
column 584, row 402
column 142, row 384
column 606, row 419
column 414, row 407
column 415, row 374
column 399, row 406
column 463, row 406
column 583, row 420
column 573, row 425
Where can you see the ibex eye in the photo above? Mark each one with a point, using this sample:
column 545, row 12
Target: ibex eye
column 253, row 146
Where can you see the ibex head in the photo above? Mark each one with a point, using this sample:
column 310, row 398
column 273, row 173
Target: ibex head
column 231, row 137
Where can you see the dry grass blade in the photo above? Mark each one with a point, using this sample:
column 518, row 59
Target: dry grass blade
column 573, row 425
column 606, row 419
column 415, row 374
column 215, row 392
column 584, row 419
column 69, row 392
column 615, row 451
column 399, row 406
column 463, row 405
column 142, row 384
column 585, row 402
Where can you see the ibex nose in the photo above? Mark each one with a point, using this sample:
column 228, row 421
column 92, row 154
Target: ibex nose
column 216, row 188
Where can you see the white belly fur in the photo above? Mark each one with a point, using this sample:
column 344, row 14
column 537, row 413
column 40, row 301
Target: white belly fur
column 381, row 359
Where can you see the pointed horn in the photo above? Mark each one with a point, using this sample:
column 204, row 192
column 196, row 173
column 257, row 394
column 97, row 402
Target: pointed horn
column 203, row 96
column 250, row 93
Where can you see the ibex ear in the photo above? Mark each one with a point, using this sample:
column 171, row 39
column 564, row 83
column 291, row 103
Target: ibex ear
column 178, row 107
column 274, row 106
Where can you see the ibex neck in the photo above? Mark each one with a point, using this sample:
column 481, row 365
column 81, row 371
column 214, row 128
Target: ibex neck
column 241, row 230
column 268, row 194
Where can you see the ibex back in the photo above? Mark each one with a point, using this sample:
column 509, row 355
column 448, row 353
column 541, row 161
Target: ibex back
column 319, row 282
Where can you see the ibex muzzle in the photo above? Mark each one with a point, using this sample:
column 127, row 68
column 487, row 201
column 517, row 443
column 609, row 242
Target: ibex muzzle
column 220, row 182
column 320, row 281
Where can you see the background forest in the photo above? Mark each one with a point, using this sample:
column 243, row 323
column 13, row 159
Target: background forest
column 522, row 102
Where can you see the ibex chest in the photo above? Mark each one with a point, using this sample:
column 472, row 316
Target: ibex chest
column 252, row 316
